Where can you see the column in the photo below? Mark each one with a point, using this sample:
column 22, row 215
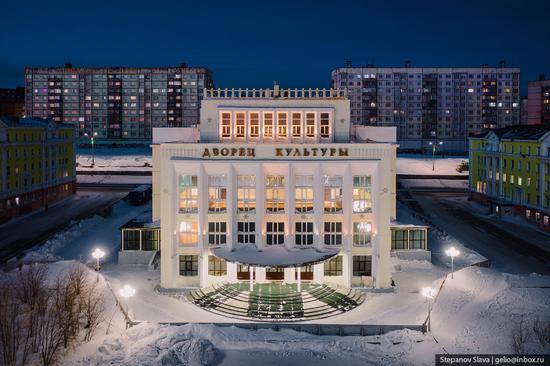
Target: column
column 260, row 206
column 347, row 206
column 299, row 269
column 318, row 209
column 291, row 207
column 231, row 224
column 251, row 273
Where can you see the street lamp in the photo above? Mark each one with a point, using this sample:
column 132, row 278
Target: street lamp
column 126, row 292
column 92, row 140
column 434, row 146
column 98, row 254
column 429, row 293
column 452, row 252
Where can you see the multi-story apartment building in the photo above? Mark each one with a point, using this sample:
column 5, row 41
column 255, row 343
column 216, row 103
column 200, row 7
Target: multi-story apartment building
column 12, row 102
column 538, row 101
column 37, row 165
column 510, row 171
column 432, row 104
column 116, row 103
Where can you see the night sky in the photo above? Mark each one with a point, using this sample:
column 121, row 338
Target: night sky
column 251, row 44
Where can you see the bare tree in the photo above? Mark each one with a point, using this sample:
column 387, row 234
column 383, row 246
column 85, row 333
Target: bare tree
column 541, row 330
column 93, row 308
column 520, row 336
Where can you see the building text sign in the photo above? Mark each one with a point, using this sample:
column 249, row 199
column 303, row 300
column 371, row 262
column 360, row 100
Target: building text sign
column 278, row 152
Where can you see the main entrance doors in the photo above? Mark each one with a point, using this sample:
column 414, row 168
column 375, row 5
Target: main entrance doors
column 274, row 274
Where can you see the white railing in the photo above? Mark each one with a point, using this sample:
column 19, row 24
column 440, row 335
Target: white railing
column 221, row 93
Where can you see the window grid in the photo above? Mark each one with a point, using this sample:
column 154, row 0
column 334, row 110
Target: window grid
column 275, row 193
column 254, row 124
column 333, row 267
column 333, row 193
column 275, row 233
column 216, row 266
column 240, row 126
column 304, row 193
column 226, row 125
column 217, row 233
column 304, row 233
column 296, row 124
column 282, row 124
column 362, row 233
column 362, row 200
column 268, row 125
column 217, row 193
column 246, row 232
column 310, row 124
column 333, row 233
column 189, row 194
column 189, row 233
column 246, row 193
column 362, row 265
column 325, row 125
column 189, row 265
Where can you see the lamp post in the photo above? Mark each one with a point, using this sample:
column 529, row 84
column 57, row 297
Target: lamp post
column 98, row 254
column 126, row 292
column 429, row 293
column 434, row 146
column 452, row 252
column 92, row 140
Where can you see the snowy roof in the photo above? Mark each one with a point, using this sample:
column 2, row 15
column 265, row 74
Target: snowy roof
column 518, row 132
column 274, row 256
column 399, row 225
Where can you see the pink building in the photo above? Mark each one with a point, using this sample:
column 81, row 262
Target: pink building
column 538, row 104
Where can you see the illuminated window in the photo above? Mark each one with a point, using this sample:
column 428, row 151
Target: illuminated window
column 268, row 125
column 216, row 266
column 189, row 233
column 333, row 267
column 282, row 125
column 362, row 233
column 226, row 125
column 333, row 193
column 246, row 232
column 296, row 125
column 254, row 121
column 362, row 200
column 217, row 193
column 304, row 193
column 275, row 233
column 246, row 193
column 310, row 124
column 275, row 193
column 304, row 233
column 325, row 125
column 217, row 233
column 240, row 127
column 333, row 233
column 189, row 193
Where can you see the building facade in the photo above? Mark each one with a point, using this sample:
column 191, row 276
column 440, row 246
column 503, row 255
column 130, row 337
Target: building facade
column 432, row 104
column 116, row 103
column 37, row 165
column 275, row 191
column 538, row 101
column 12, row 102
column 510, row 171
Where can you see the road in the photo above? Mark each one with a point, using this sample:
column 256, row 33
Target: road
column 24, row 232
column 510, row 247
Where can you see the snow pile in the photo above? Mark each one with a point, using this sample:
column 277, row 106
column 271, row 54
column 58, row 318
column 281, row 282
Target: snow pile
column 115, row 159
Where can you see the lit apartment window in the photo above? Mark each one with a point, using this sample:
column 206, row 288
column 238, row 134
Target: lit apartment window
column 216, row 266
column 226, row 125
column 282, row 125
column 310, row 125
column 246, row 232
column 333, row 233
column 362, row 265
column 362, row 233
column 217, row 193
column 362, row 201
column 333, row 267
column 275, row 193
column 296, row 125
column 246, row 193
column 189, row 233
column 189, row 265
column 333, row 193
column 304, row 193
column 254, row 121
column 304, row 233
column 217, row 233
column 268, row 125
column 240, row 127
column 275, row 233
column 325, row 125
column 189, row 193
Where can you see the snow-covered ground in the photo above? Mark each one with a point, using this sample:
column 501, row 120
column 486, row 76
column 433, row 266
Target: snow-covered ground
column 114, row 179
column 422, row 165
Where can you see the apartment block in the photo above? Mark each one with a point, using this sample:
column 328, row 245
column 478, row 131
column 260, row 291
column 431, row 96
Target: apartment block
column 538, row 101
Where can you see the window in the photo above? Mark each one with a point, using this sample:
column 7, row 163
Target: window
column 296, row 125
column 226, row 125
column 216, row 266
column 189, row 233
column 333, row 193
column 246, row 232
column 246, row 193
column 268, row 125
column 217, row 233
column 361, row 194
column 150, row 239
column 281, row 124
column 275, row 233
column 399, row 239
column 189, row 194
column 310, row 124
column 304, row 193
column 275, row 193
column 362, row 233
column 189, row 265
column 254, row 121
column 131, row 239
column 304, row 233
column 240, row 126
column 362, row 265
column 217, row 193
column 333, row 233
column 325, row 125
column 333, row 267
column 417, row 239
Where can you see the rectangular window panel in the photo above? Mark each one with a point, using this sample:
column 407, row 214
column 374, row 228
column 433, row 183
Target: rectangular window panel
column 310, row 125
column 304, row 233
column 325, row 125
column 188, row 233
column 226, row 125
column 131, row 239
column 333, row 266
column 304, row 193
column 246, row 193
column 217, row 193
column 217, row 233
column 246, row 232
column 189, row 194
column 282, row 125
column 254, row 122
column 240, row 126
column 333, row 233
column 296, row 125
column 268, row 125
column 275, row 233
column 399, row 239
column 362, row 199
column 417, row 239
column 189, row 265
column 362, row 265
column 275, row 193
column 362, row 233
column 333, row 193
column 216, row 266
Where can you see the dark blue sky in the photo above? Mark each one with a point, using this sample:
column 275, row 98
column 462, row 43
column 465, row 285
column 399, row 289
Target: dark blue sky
column 251, row 44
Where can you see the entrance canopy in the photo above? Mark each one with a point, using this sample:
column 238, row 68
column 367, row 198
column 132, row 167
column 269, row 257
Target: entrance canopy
column 274, row 256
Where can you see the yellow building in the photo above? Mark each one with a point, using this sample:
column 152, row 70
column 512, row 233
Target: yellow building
column 37, row 165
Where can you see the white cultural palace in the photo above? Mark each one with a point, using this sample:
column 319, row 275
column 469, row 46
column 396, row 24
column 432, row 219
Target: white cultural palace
column 277, row 191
